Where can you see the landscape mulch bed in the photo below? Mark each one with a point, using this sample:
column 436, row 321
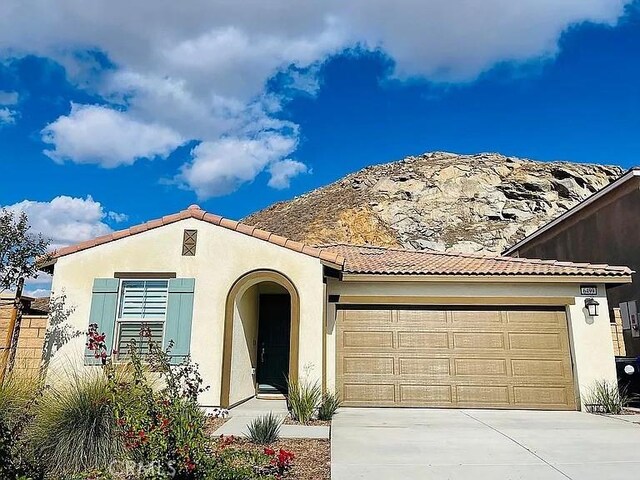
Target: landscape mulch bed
column 312, row 457
column 213, row 424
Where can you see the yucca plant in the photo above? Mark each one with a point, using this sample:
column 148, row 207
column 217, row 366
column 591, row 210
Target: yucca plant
column 606, row 397
column 303, row 399
column 264, row 429
column 75, row 426
column 328, row 405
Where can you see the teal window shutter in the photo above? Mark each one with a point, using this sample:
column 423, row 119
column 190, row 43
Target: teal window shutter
column 179, row 317
column 104, row 304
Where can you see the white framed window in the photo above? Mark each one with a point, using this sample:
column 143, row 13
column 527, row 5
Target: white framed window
column 142, row 312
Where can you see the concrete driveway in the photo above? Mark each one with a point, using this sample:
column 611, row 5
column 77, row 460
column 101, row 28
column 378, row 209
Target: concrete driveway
column 376, row 443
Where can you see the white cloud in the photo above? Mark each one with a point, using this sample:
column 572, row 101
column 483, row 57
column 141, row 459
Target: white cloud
column 220, row 167
column 7, row 116
column 65, row 220
column 117, row 217
column 283, row 171
column 107, row 137
column 39, row 286
column 38, row 292
column 197, row 70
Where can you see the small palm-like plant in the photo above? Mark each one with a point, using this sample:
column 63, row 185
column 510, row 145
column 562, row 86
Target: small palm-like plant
column 606, row 397
column 303, row 399
column 264, row 429
column 75, row 426
column 328, row 405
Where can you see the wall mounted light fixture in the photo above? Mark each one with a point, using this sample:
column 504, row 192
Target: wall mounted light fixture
column 591, row 306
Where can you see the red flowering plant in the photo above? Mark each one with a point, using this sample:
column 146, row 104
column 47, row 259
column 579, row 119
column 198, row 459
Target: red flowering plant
column 96, row 343
column 157, row 411
column 279, row 463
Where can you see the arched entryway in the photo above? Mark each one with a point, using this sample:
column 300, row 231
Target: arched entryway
column 261, row 332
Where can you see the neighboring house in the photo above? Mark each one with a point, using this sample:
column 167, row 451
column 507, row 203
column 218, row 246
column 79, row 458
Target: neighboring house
column 604, row 228
column 32, row 330
column 382, row 327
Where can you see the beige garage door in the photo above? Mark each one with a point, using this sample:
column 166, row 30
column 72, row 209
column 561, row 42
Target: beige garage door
column 454, row 357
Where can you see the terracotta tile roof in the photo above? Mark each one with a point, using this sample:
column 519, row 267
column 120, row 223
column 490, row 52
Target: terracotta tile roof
column 374, row 260
column 196, row 212
column 390, row 261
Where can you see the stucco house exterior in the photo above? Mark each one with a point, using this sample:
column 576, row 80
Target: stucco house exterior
column 603, row 228
column 382, row 327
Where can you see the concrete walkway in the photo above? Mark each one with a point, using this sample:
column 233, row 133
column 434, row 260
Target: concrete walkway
column 481, row 444
column 245, row 413
column 242, row 415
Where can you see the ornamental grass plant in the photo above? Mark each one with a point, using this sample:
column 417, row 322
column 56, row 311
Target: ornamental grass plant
column 75, row 425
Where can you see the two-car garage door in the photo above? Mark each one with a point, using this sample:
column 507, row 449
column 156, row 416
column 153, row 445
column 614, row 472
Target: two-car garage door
column 454, row 357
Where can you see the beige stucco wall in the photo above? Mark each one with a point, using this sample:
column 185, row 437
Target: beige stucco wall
column 591, row 344
column 245, row 333
column 222, row 257
column 590, row 338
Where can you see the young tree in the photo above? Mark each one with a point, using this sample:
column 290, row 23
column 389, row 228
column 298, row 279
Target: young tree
column 20, row 252
column 20, row 249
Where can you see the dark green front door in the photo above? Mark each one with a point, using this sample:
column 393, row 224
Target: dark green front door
column 273, row 343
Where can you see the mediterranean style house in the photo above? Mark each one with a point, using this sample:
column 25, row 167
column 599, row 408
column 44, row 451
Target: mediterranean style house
column 381, row 327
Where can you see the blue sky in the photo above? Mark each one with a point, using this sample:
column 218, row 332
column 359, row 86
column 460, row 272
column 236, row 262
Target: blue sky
column 111, row 115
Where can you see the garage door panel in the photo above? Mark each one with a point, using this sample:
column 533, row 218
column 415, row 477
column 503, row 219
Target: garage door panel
column 479, row 340
column 541, row 318
column 424, row 366
column 528, row 367
column 421, row 318
column 544, row 395
column 535, row 341
column 480, row 366
column 513, row 359
column 368, row 366
column 379, row 393
column 368, row 339
column 483, row 394
column 422, row 340
column 476, row 317
column 372, row 317
column 431, row 395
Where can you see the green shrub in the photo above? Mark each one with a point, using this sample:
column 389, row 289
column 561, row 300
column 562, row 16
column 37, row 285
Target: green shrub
column 606, row 397
column 328, row 405
column 75, row 426
column 265, row 429
column 303, row 399
column 158, row 415
column 235, row 462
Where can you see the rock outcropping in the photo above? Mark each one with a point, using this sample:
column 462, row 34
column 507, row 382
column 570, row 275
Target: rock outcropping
column 439, row 201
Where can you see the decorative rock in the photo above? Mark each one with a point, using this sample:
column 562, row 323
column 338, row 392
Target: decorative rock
column 438, row 201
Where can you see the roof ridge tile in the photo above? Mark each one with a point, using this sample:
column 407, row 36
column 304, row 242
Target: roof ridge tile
column 197, row 213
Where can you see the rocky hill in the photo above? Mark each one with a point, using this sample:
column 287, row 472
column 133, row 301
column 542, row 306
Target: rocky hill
column 440, row 201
